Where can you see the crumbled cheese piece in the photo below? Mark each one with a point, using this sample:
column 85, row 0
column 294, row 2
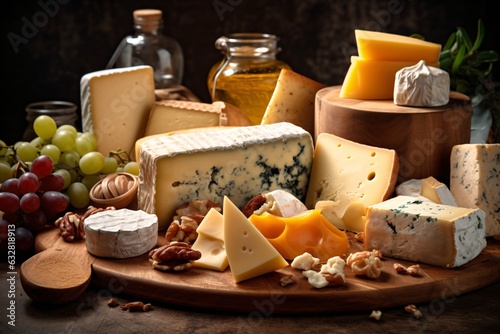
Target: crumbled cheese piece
column 304, row 262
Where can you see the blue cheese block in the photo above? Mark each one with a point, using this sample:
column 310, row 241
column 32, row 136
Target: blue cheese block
column 238, row 162
column 120, row 233
column 475, row 181
column 410, row 229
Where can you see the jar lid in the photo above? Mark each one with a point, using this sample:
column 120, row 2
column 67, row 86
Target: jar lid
column 148, row 19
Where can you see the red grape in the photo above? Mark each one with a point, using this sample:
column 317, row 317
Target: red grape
column 9, row 202
column 53, row 182
column 28, row 183
column 34, row 221
column 11, row 186
column 25, row 240
column 54, row 202
column 42, row 166
column 29, row 203
column 13, row 217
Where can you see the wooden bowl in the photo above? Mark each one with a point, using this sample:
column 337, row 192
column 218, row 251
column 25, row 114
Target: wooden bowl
column 422, row 137
column 107, row 192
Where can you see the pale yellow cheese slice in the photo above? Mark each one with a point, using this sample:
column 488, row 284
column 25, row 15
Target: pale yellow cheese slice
column 293, row 100
column 249, row 253
column 347, row 177
column 172, row 115
column 437, row 192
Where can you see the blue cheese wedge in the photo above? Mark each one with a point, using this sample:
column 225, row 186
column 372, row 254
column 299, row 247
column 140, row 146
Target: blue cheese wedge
column 120, row 233
column 407, row 228
column 475, row 180
column 239, row 162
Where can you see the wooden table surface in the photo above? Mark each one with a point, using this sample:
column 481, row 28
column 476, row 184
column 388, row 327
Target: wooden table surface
column 475, row 312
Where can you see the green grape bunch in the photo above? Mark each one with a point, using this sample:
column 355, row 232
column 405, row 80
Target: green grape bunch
column 42, row 179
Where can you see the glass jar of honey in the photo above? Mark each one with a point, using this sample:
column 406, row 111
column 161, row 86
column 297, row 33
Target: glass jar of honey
column 247, row 75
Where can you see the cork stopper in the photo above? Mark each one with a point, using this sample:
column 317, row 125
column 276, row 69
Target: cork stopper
column 148, row 19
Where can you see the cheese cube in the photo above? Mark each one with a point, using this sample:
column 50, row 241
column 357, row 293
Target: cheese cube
column 248, row 251
column 385, row 46
column 116, row 105
column 239, row 162
column 293, row 101
column 409, row 229
column 475, row 180
column 172, row 115
column 348, row 174
column 368, row 79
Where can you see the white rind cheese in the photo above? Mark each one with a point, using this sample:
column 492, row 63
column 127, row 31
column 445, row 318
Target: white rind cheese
column 239, row 162
column 116, row 105
column 120, row 233
column 410, row 229
column 475, row 180
column 422, row 86
column 437, row 191
column 281, row 203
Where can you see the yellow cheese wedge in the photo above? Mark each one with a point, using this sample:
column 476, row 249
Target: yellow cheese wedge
column 372, row 79
column 344, row 172
column 377, row 45
column 248, row 251
column 172, row 115
column 293, row 101
column 210, row 242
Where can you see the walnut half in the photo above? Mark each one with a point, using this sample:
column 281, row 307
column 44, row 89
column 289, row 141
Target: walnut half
column 176, row 256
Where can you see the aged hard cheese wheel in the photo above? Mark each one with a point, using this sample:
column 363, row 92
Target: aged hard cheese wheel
column 407, row 228
column 120, row 233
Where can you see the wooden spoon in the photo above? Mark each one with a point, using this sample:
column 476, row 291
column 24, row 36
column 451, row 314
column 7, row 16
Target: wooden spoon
column 58, row 274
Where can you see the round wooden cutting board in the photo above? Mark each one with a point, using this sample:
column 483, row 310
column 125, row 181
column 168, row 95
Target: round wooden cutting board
column 203, row 289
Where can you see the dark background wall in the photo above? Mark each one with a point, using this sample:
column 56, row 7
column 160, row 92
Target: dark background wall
column 75, row 37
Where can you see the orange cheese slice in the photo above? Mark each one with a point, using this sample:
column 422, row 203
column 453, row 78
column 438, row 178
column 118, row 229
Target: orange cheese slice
column 377, row 45
column 372, row 79
column 308, row 231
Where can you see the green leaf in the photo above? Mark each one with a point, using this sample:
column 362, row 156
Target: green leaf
column 463, row 36
column 479, row 37
column 458, row 59
column 449, row 42
column 488, row 56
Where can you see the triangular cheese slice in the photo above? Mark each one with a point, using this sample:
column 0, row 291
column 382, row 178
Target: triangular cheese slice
column 248, row 251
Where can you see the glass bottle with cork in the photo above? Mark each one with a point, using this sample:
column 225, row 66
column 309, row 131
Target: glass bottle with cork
column 149, row 46
column 248, row 73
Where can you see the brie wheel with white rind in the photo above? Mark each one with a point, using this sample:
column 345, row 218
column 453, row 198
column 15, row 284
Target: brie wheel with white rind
column 120, row 233
column 422, row 86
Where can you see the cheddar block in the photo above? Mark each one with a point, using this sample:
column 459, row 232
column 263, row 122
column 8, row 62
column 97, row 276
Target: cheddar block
column 116, row 105
column 475, row 180
column 375, row 45
column 409, row 229
column 344, row 171
column 372, row 79
column 210, row 242
column 248, row 251
column 293, row 101
column 172, row 115
column 437, row 192
column 308, row 231
column 239, row 162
